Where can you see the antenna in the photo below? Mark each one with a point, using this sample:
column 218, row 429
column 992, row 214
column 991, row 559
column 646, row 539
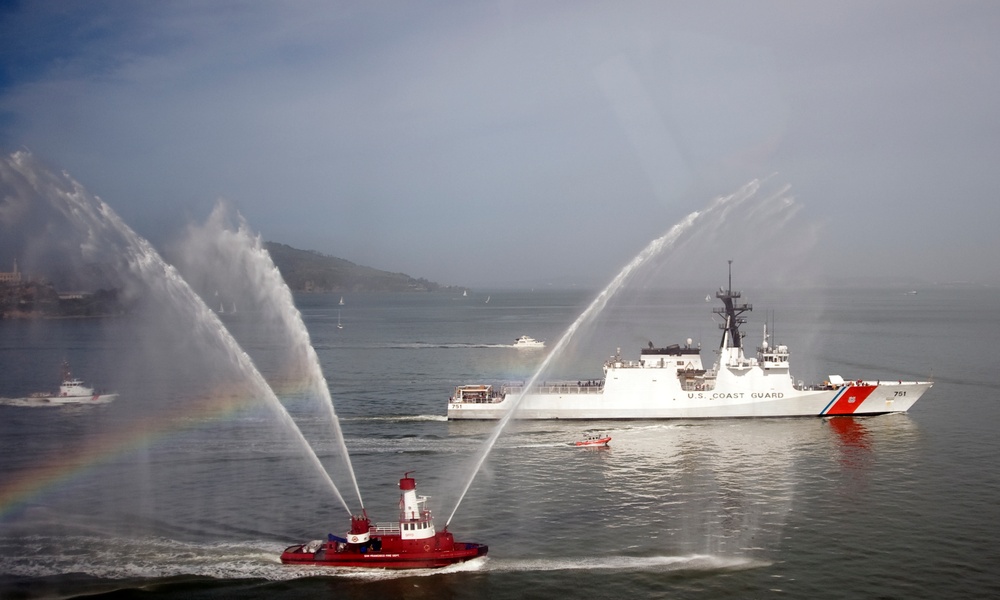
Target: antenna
column 731, row 313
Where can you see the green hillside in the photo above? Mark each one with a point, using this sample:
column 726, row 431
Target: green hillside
column 309, row 271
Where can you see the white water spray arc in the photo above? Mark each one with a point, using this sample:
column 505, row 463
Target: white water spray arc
column 715, row 214
column 236, row 263
column 108, row 238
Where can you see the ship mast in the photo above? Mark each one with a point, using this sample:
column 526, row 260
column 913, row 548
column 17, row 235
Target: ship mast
column 731, row 314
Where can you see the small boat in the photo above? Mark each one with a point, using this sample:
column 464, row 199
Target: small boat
column 72, row 391
column 341, row 300
column 410, row 543
column 594, row 440
column 528, row 342
column 339, row 326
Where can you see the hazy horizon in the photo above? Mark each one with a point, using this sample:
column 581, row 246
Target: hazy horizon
column 516, row 144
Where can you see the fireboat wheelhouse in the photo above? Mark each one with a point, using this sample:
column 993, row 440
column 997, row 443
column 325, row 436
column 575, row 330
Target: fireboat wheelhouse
column 410, row 543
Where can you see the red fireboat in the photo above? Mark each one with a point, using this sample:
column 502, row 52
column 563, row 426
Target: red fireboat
column 595, row 440
column 410, row 543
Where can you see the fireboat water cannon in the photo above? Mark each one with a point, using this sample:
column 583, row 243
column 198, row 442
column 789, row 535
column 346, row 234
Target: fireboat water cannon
column 412, row 542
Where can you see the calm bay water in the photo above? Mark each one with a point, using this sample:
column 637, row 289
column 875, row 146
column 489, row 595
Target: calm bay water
column 102, row 499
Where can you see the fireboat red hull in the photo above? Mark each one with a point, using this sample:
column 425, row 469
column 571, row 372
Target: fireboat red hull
column 431, row 559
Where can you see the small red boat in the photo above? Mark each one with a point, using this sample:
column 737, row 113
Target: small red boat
column 410, row 543
column 594, row 440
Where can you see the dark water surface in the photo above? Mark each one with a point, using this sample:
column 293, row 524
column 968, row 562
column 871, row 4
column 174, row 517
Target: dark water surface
column 132, row 498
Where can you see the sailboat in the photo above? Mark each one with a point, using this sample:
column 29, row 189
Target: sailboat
column 341, row 300
column 339, row 326
column 487, row 300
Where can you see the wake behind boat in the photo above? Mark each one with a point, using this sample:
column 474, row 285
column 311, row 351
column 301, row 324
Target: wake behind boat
column 410, row 543
column 672, row 383
column 71, row 391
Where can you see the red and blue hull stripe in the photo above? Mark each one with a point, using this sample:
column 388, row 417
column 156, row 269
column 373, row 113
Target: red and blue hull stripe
column 848, row 400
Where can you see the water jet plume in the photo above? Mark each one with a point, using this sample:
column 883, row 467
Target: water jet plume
column 738, row 225
column 187, row 390
column 228, row 265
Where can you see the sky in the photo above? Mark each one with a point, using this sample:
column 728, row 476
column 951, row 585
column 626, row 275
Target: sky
column 502, row 143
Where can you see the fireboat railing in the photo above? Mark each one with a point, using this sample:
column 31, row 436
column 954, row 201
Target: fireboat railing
column 385, row 529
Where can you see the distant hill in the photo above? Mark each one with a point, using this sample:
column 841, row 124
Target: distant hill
column 310, row 271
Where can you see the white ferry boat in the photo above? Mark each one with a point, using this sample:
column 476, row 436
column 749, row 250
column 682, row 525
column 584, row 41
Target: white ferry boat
column 528, row 342
column 672, row 383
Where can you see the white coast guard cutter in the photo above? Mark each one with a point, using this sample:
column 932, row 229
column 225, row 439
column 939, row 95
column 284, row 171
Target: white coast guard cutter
column 671, row 383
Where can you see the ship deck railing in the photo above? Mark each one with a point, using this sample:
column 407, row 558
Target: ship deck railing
column 385, row 529
column 562, row 387
column 619, row 363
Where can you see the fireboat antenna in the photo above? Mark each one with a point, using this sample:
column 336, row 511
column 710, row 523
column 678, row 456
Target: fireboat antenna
column 730, row 274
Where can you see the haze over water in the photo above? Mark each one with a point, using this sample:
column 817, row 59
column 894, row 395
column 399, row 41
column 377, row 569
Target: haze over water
column 663, row 511
column 680, row 509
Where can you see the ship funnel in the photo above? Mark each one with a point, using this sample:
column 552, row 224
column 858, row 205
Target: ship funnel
column 414, row 519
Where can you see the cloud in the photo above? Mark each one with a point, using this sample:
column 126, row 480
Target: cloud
column 452, row 141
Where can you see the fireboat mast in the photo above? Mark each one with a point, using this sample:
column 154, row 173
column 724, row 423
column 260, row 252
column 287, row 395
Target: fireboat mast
column 731, row 315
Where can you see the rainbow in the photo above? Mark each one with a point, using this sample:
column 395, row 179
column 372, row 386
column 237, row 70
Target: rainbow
column 18, row 489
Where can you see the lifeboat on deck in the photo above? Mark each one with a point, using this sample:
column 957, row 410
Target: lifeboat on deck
column 410, row 543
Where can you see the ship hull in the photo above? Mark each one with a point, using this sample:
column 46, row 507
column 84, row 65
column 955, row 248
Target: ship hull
column 601, row 443
column 43, row 400
column 385, row 560
column 859, row 398
column 88, row 399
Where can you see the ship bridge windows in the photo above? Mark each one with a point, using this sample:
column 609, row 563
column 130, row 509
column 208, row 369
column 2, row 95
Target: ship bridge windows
column 773, row 357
